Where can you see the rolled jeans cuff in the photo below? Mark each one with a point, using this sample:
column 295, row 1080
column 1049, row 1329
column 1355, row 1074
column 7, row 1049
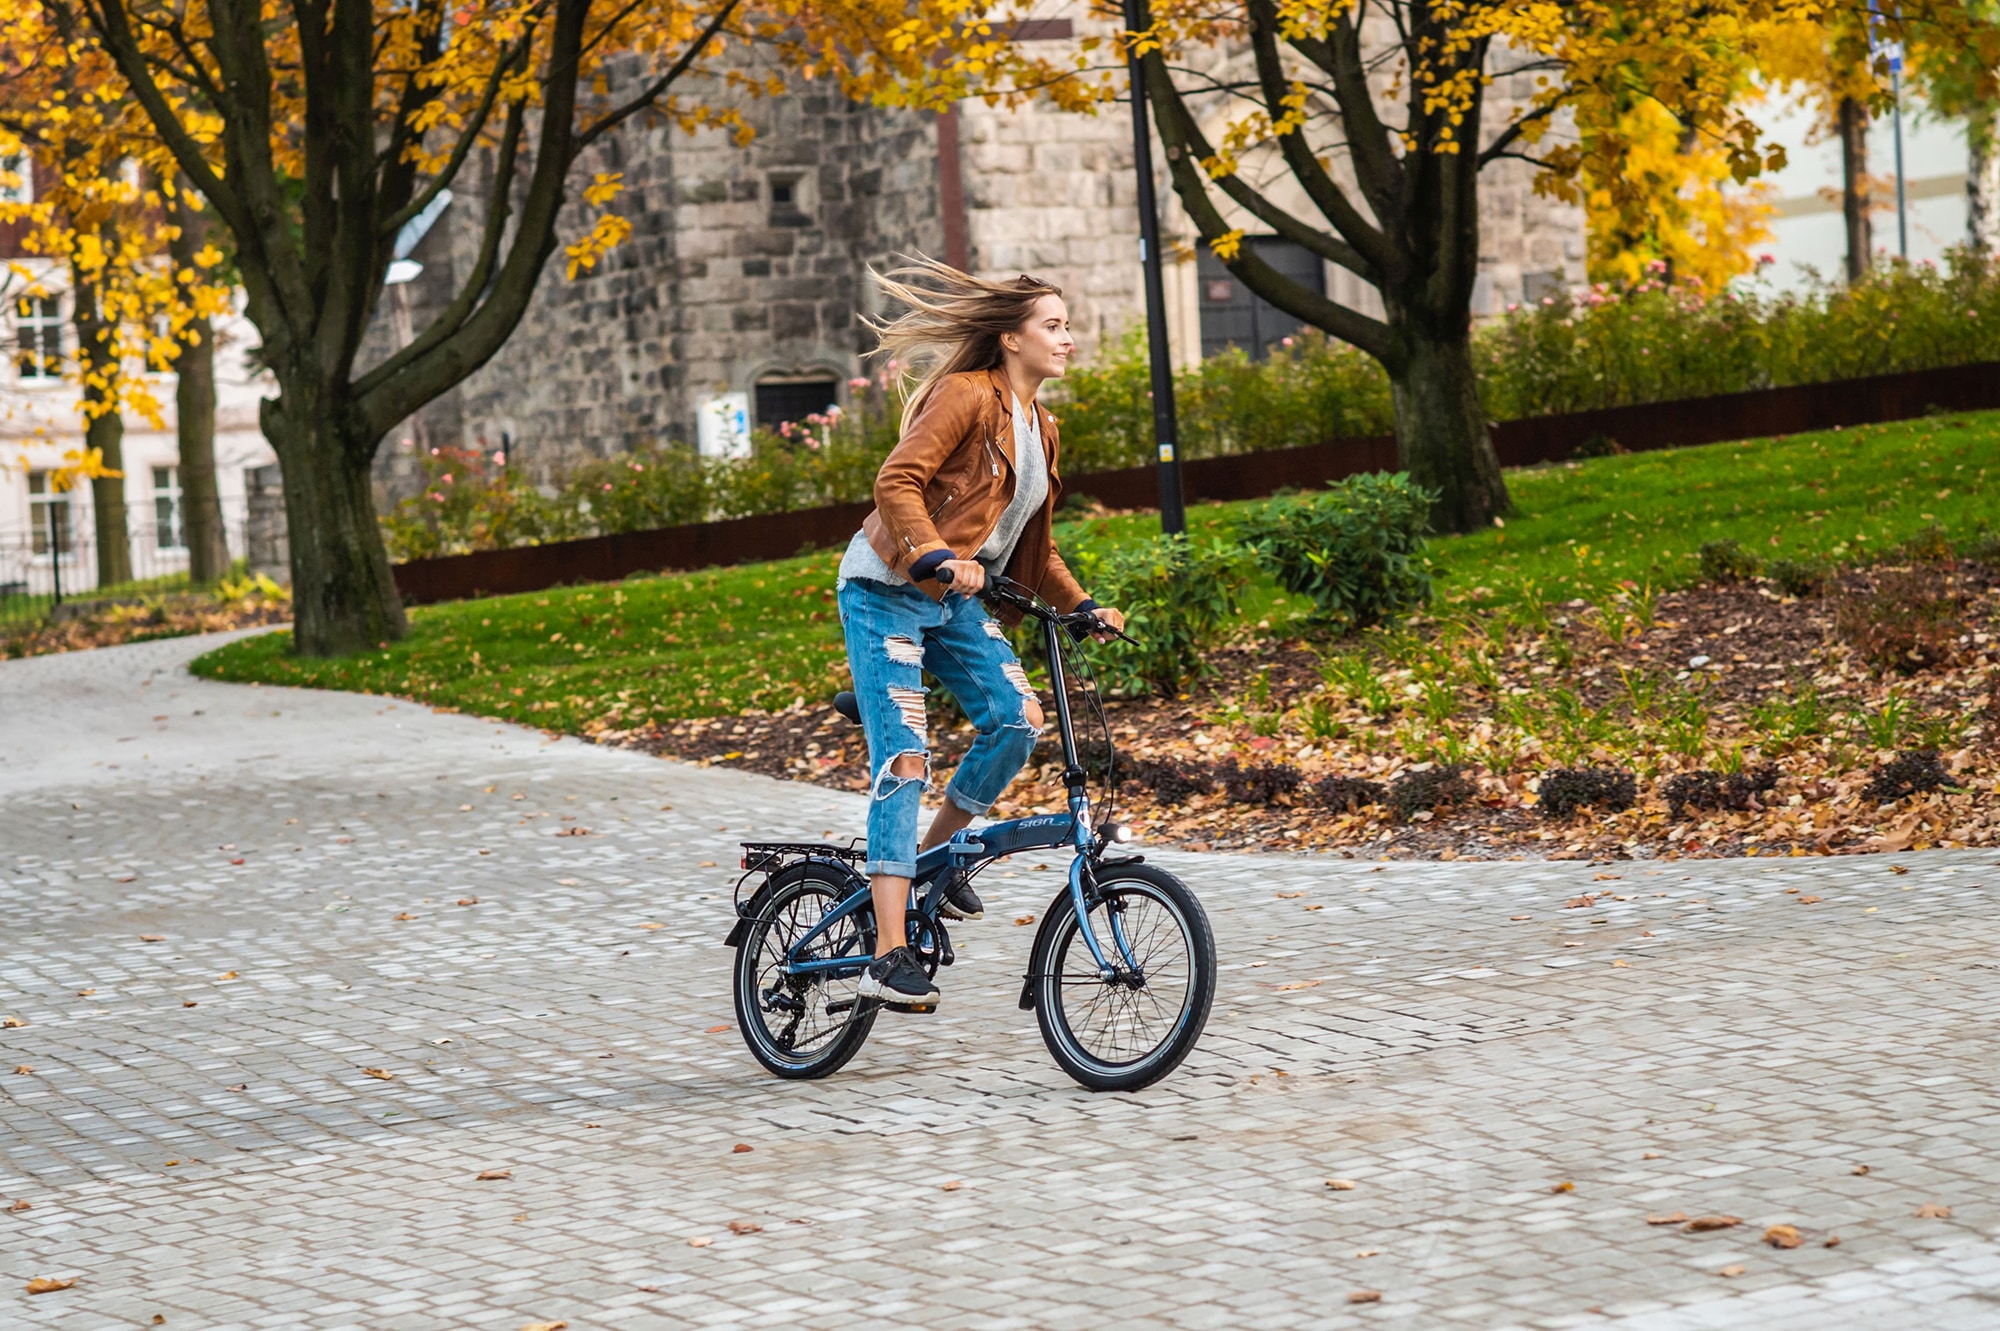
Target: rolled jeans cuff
column 894, row 868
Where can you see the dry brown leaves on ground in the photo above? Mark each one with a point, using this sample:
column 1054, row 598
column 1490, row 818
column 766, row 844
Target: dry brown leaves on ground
column 1713, row 684
column 176, row 616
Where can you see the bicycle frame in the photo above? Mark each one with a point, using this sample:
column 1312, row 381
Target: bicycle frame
column 968, row 849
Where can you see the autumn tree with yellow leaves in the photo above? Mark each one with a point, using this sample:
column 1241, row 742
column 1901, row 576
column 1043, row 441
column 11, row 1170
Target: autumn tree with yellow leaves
column 106, row 218
column 1359, row 130
column 314, row 131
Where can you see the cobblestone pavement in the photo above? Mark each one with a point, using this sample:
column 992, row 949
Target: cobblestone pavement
column 1511, row 1085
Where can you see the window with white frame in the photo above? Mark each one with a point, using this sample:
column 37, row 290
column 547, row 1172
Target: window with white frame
column 169, row 533
column 17, row 179
column 48, row 515
column 38, row 325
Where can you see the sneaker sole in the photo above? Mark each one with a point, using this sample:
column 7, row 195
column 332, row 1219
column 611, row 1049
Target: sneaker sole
column 951, row 912
column 870, row 987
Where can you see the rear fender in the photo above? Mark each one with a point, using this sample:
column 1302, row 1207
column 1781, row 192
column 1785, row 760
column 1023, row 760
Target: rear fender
column 840, row 876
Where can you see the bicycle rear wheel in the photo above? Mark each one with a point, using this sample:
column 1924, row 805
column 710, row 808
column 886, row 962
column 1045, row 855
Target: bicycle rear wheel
column 1124, row 1034
column 802, row 1027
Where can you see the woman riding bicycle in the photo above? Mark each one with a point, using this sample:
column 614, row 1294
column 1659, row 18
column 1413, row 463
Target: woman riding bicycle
column 969, row 491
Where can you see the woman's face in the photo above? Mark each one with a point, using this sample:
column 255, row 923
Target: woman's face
column 1042, row 345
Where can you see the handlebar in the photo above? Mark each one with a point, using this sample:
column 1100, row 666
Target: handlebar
column 1005, row 591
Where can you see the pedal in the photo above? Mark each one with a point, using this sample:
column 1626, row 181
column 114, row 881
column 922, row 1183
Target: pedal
column 917, row 1008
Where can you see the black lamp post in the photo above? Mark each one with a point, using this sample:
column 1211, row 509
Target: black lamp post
column 1173, row 511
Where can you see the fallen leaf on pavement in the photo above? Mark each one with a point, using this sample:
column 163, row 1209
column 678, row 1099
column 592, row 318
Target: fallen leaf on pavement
column 239, row 1086
column 1583, row 902
column 405, row 915
column 44, row 1285
column 1933, row 1211
column 1733, row 1269
column 152, row 938
column 650, row 925
column 1520, row 917
column 701, row 1241
column 1341, row 1184
column 1861, row 1169
column 226, row 975
column 1369, row 1252
column 1783, row 1236
column 713, row 1030
column 380, row 1074
column 1605, row 877
column 1315, row 906
column 745, row 1227
column 1024, row 919
column 1808, row 900
column 22, row 1206
column 1287, row 896
column 1365, row 1296
column 130, row 877
column 1701, row 1224
column 741, row 1148
column 468, row 901
column 545, row 1326
column 491, row 1175
column 1897, row 868
column 574, row 831
column 23, row 1070
column 1300, row 984
column 1672, row 1218
column 1650, row 1155
column 189, row 1003
column 1564, row 1186
column 953, row 1186
column 11, row 1022
column 1832, row 1241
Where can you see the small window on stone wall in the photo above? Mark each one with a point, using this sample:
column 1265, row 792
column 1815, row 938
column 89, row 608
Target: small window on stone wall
column 789, row 204
column 793, row 398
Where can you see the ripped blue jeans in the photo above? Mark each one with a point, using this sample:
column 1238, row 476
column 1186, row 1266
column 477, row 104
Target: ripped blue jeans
column 894, row 634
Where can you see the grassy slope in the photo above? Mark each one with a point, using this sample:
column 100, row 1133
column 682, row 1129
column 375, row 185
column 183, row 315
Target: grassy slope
column 723, row 640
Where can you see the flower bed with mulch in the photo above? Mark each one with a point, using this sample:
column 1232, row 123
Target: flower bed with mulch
column 1728, row 719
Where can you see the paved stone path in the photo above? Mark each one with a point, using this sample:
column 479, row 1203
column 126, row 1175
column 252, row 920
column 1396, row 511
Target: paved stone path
column 1511, row 1085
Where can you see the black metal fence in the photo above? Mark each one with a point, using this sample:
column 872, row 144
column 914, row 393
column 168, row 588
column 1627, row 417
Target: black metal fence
column 53, row 561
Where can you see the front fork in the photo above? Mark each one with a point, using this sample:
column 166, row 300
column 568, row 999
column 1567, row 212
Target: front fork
column 1081, row 895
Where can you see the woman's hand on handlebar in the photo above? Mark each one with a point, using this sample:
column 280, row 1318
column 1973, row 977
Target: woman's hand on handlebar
column 962, row 575
column 1114, row 618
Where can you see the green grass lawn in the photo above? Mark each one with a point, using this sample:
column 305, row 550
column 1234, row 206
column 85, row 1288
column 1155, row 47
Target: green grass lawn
column 762, row 635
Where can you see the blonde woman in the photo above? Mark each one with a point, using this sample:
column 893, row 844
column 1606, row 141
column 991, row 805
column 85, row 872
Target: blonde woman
column 969, row 490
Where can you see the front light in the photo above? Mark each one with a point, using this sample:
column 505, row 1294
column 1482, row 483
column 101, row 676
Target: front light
column 1120, row 833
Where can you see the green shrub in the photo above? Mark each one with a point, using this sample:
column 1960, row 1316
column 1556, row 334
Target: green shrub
column 470, row 501
column 1180, row 601
column 1726, row 561
column 1355, row 549
column 1799, row 577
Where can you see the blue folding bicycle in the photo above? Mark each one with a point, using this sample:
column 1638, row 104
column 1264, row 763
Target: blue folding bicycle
column 1121, row 975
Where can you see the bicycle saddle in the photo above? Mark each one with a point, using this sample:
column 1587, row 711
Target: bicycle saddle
column 845, row 703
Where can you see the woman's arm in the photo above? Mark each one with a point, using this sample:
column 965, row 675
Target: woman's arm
column 929, row 438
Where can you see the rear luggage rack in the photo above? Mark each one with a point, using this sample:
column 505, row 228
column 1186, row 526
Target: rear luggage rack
column 767, row 857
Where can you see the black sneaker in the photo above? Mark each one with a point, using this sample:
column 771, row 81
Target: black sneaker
column 899, row 979
column 960, row 902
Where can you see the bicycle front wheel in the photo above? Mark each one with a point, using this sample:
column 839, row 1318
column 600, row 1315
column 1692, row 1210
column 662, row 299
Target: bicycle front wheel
column 801, row 1027
column 1129, row 1032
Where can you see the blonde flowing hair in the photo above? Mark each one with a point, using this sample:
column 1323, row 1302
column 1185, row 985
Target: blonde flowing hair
column 952, row 323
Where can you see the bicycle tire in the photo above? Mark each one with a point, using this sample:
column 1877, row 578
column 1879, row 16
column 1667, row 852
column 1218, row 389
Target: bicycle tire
column 785, row 907
column 1058, row 978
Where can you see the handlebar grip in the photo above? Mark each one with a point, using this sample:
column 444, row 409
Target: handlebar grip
column 943, row 574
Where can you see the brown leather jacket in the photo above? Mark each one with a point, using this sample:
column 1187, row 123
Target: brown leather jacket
column 949, row 479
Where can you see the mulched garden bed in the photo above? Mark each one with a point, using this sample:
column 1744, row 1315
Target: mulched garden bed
column 1823, row 786
column 111, row 623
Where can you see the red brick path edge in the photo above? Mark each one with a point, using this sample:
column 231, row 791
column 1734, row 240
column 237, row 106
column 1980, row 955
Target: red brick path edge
column 1641, row 428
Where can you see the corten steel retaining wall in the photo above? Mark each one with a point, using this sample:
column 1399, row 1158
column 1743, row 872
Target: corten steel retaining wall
column 1641, row 428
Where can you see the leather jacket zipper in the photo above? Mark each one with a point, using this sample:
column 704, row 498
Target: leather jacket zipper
column 945, row 503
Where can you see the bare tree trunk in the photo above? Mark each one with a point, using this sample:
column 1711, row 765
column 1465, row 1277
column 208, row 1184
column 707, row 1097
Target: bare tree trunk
column 1854, row 200
column 103, row 431
column 194, row 407
column 1982, row 178
column 1441, row 436
column 344, row 597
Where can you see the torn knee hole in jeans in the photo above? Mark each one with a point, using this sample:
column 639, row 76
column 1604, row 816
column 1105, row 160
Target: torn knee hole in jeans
column 888, row 781
column 903, row 649
column 910, row 703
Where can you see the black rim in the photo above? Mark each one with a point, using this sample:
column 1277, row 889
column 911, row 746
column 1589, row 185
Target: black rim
column 791, row 1013
column 1122, row 1023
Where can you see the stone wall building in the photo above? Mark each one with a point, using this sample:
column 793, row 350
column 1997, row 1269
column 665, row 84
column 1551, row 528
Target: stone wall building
column 745, row 273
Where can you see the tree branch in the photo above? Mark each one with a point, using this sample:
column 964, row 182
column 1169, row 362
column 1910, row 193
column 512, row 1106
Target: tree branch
column 615, row 118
